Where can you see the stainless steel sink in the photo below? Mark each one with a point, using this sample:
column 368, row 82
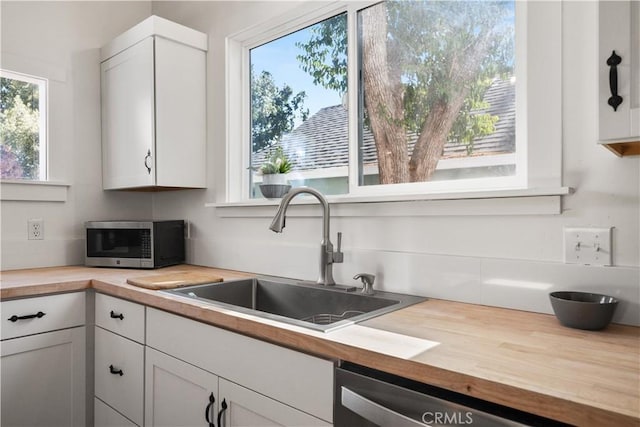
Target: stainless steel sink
column 310, row 305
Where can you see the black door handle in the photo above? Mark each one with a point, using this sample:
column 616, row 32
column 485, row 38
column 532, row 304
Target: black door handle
column 116, row 316
column 15, row 318
column 615, row 100
column 115, row 371
column 209, row 409
column 223, row 405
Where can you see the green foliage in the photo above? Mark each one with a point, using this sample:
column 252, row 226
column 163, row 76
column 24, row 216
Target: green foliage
column 426, row 42
column 276, row 163
column 325, row 57
column 273, row 110
column 19, row 129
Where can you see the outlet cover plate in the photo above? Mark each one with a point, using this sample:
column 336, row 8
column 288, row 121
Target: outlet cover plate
column 35, row 229
column 588, row 245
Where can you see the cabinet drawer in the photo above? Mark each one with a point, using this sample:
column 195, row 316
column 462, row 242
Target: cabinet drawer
column 120, row 316
column 54, row 311
column 119, row 373
column 277, row 372
column 105, row 416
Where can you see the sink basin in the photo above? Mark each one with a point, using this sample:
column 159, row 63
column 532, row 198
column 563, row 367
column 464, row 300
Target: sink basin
column 310, row 305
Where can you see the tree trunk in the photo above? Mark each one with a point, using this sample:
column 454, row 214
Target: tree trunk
column 383, row 91
column 443, row 112
column 429, row 147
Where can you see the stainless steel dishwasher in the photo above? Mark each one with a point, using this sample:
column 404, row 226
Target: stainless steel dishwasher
column 366, row 397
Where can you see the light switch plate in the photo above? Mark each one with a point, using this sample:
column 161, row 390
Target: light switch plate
column 588, row 245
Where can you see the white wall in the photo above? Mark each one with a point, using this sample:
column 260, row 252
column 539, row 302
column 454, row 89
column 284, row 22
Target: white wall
column 62, row 39
column 503, row 260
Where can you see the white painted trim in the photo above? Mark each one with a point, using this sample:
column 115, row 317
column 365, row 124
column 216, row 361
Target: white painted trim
column 539, row 154
column 542, row 201
column 33, row 191
column 154, row 26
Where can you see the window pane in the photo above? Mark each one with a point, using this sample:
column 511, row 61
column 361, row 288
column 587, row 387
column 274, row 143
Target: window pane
column 21, row 129
column 298, row 83
column 438, row 91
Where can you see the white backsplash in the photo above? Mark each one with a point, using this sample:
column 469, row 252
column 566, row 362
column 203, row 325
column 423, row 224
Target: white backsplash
column 516, row 284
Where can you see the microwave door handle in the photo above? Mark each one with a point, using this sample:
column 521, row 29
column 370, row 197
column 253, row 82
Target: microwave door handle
column 373, row 412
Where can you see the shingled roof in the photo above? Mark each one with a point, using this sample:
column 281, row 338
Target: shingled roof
column 322, row 140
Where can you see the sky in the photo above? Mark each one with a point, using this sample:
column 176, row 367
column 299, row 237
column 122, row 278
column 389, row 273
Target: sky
column 279, row 58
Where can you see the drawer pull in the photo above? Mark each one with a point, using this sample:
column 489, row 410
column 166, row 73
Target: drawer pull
column 114, row 371
column 116, row 316
column 15, row 318
column 208, row 409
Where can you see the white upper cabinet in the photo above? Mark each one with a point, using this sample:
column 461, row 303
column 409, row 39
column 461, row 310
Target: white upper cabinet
column 619, row 65
column 153, row 80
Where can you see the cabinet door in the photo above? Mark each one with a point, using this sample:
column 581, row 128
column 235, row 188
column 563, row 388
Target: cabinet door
column 246, row 408
column 106, row 416
column 180, row 115
column 128, row 118
column 177, row 393
column 619, row 31
column 43, row 379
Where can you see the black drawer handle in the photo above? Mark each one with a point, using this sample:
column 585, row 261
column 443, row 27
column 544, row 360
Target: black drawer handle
column 15, row 318
column 114, row 371
column 209, row 409
column 117, row 316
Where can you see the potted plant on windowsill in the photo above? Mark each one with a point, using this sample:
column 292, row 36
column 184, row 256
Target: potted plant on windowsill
column 274, row 179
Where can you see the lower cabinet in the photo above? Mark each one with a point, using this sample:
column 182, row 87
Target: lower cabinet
column 200, row 375
column 43, row 379
column 180, row 394
column 177, row 393
column 242, row 407
column 43, row 366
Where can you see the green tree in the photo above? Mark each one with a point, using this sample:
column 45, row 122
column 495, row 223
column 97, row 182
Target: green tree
column 273, row 110
column 19, row 130
column 425, row 67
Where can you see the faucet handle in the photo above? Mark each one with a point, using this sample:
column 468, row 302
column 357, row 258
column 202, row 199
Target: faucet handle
column 338, row 256
column 367, row 282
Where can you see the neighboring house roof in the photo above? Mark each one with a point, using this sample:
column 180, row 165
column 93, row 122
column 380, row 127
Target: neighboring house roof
column 322, row 140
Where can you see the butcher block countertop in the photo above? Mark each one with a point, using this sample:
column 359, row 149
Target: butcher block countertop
column 519, row 359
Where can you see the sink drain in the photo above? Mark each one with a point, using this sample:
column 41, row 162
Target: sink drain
column 327, row 318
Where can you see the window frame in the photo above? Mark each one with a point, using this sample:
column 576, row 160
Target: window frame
column 43, row 108
column 538, row 147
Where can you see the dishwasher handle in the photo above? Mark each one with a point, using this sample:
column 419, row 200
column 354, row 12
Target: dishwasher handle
column 373, row 412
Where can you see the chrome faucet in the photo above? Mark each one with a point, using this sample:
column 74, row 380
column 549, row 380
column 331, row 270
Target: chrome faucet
column 327, row 256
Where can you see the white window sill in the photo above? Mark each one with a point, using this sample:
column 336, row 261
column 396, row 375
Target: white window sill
column 33, row 191
column 539, row 201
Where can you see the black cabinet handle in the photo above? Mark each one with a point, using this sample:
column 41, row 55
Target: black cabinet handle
column 115, row 371
column 208, row 409
column 15, row 318
column 147, row 157
column 117, row 316
column 615, row 100
column 223, row 405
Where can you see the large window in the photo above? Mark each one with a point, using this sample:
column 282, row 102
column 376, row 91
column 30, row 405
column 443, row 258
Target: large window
column 405, row 97
column 22, row 127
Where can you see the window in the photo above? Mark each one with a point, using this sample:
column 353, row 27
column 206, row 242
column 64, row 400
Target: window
column 22, row 127
column 401, row 98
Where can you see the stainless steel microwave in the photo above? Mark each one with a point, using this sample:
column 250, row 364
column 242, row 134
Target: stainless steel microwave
column 134, row 244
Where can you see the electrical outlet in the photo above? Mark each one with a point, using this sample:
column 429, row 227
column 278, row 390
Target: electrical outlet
column 35, row 229
column 587, row 245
